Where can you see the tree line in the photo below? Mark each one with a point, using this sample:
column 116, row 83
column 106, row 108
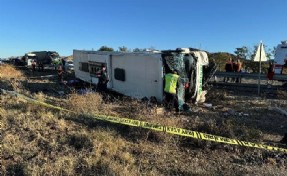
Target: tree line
column 124, row 49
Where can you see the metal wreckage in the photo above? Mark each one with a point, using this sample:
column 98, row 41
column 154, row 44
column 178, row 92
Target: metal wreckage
column 194, row 70
column 141, row 74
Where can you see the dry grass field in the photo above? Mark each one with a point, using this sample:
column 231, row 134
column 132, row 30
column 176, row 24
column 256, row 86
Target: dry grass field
column 37, row 140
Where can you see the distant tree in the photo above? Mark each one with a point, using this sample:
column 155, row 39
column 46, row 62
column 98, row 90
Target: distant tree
column 220, row 59
column 151, row 48
column 253, row 52
column 123, row 49
column 254, row 66
column 137, row 50
column 105, row 48
column 268, row 53
column 242, row 52
column 272, row 52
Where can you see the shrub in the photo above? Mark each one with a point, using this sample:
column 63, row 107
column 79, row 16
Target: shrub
column 17, row 169
column 80, row 141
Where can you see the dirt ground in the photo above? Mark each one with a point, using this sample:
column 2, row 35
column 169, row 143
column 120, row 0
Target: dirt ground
column 229, row 111
column 238, row 101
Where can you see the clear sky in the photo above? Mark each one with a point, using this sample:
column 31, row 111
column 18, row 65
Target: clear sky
column 212, row 25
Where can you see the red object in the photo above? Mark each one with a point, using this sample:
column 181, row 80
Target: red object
column 33, row 65
column 270, row 75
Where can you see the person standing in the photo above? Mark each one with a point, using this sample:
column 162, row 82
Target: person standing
column 33, row 66
column 40, row 66
column 103, row 79
column 170, row 90
column 63, row 64
column 60, row 73
column 228, row 68
column 270, row 74
column 237, row 68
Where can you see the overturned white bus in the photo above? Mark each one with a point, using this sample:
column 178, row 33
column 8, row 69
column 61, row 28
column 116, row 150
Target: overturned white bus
column 141, row 74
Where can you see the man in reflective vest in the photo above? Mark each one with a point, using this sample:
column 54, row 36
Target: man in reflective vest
column 170, row 89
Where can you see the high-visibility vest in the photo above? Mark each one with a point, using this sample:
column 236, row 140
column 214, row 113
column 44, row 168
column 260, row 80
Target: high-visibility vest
column 170, row 83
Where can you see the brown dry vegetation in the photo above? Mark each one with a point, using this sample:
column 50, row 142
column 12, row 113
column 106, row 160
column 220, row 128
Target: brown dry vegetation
column 40, row 141
column 8, row 72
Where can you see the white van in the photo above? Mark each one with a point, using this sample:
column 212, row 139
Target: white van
column 280, row 56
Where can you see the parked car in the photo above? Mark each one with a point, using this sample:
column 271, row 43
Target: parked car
column 18, row 62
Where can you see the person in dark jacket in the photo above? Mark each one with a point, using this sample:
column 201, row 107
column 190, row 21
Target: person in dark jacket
column 63, row 64
column 103, row 79
column 60, row 73
column 41, row 66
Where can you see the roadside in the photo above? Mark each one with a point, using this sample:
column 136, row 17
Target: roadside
column 74, row 144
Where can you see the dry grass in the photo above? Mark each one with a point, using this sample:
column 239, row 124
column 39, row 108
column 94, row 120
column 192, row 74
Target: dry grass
column 11, row 78
column 41, row 141
column 9, row 72
column 89, row 103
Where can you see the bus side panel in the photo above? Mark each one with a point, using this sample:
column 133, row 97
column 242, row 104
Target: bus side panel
column 143, row 76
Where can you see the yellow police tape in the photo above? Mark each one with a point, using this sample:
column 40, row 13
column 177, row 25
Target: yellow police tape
column 166, row 129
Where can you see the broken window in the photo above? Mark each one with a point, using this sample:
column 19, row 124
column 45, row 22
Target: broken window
column 84, row 66
column 95, row 67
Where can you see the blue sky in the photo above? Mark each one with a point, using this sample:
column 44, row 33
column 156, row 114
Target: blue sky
column 212, row 25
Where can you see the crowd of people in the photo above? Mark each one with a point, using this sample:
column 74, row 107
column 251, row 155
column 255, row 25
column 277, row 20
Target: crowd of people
column 40, row 66
column 59, row 67
column 233, row 66
column 236, row 66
